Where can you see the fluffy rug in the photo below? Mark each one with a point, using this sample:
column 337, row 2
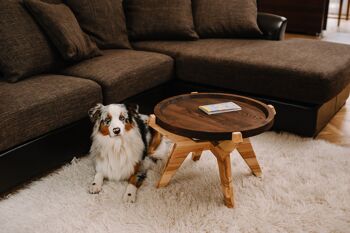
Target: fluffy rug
column 305, row 188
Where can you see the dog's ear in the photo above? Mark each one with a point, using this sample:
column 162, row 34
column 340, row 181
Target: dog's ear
column 132, row 108
column 95, row 112
column 133, row 111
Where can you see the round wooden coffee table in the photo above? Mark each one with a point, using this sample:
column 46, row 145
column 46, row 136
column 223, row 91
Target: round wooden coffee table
column 191, row 130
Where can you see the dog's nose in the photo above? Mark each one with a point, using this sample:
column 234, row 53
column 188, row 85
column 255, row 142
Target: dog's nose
column 116, row 131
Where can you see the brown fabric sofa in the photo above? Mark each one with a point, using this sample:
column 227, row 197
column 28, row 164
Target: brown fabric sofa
column 294, row 70
column 36, row 106
column 124, row 73
column 43, row 117
column 307, row 81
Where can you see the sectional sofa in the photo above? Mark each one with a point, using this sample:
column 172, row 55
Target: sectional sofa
column 43, row 117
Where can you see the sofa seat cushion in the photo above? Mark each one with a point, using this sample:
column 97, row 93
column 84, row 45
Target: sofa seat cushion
column 124, row 73
column 38, row 105
column 300, row 70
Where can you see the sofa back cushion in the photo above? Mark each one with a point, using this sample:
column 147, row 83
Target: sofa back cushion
column 226, row 18
column 63, row 29
column 103, row 21
column 24, row 48
column 160, row 20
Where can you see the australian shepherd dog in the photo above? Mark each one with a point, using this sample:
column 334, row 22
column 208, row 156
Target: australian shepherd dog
column 123, row 147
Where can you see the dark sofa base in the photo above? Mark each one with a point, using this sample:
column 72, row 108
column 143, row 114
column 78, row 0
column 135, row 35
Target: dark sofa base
column 306, row 120
column 43, row 154
column 54, row 149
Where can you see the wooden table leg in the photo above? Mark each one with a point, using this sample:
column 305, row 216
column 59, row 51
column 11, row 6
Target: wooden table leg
column 224, row 164
column 247, row 152
column 196, row 155
column 174, row 162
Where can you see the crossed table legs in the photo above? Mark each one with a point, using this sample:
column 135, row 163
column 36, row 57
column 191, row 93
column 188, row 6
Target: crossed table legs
column 221, row 149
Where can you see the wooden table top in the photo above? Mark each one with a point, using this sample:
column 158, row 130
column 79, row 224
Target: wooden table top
column 181, row 115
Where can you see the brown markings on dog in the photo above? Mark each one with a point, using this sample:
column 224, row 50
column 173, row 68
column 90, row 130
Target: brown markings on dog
column 133, row 178
column 155, row 141
column 128, row 126
column 104, row 128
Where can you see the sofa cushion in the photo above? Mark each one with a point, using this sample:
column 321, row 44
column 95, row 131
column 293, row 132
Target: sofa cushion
column 63, row 29
column 24, row 49
column 226, row 18
column 124, row 73
column 159, row 19
column 298, row 70
column 38, row 105
column 103, row 20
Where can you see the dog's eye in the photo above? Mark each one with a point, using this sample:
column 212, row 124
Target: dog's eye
column 121, row 117
column 107, row 121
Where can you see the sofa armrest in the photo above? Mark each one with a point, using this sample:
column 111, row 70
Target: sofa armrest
column 272, row 26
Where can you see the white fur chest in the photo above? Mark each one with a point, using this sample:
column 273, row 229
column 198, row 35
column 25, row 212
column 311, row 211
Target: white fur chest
column 116, row 157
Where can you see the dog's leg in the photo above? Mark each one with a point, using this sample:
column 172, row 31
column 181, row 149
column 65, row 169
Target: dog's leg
column 135, row 181
column 96, row 185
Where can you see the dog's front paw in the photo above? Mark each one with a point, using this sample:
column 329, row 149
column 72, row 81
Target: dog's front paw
column 94, row 188
column 130, row 194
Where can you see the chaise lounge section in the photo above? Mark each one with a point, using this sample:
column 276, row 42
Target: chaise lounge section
column 298, row 72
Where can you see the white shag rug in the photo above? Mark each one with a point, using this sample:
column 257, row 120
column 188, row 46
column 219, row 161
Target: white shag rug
column 305, row 188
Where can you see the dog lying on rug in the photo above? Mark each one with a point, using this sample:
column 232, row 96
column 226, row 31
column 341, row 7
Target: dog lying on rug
column 123, row 147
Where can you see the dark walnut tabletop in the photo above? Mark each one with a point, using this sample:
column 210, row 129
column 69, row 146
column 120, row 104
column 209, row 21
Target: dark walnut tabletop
column 181, row 115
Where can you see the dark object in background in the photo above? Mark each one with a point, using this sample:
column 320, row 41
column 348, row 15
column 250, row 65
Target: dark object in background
column 308, row 17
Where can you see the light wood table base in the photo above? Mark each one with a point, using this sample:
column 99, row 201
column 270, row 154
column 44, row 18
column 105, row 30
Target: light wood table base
column 221, row 149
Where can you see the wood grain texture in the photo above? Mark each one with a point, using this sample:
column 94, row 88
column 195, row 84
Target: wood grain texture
column 221, row 149
column 245, row 149
column 224, row 164
column 174, row 162
column 181, row 115
column 337, row 131
column 183, row 146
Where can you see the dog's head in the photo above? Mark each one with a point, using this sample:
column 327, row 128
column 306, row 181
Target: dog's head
column 114, row 119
